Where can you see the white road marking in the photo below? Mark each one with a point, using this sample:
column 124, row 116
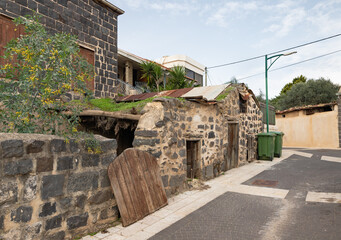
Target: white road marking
column 303, row 154
column 331, row 159
column 258, row 191
column 323, row 197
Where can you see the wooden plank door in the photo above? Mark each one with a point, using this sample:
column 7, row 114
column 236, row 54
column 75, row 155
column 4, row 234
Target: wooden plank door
column 135, row 179
column 89, row 56
column 233, row 146
column 192, row 149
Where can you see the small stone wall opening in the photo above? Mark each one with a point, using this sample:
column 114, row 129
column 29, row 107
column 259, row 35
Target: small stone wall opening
column 193, row 167
column 124, row 138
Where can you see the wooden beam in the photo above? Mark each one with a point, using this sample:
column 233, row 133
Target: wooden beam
column 118, row 115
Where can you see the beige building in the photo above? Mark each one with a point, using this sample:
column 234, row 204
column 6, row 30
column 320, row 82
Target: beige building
column 310, row 126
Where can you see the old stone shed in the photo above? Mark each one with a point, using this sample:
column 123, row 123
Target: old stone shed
column 194, row 137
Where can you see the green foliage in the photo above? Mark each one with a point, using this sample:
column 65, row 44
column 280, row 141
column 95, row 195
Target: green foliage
column 311, row 92
column 107, row 104
column 296, row 80
column 261, row 97
column 39, row 69
column 177, row 79
column 153, row 73
column 224, row 94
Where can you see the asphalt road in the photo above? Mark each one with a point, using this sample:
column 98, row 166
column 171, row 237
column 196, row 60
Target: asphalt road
column 246, row 216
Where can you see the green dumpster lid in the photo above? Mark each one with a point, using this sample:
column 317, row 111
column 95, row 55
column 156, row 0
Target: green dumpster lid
column 278, row 133
column 267, row 134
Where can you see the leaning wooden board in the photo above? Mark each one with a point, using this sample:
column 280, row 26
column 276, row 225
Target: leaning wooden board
column 135, row 179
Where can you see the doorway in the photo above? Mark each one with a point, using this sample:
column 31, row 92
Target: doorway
column 193, row 163
column 233, row 146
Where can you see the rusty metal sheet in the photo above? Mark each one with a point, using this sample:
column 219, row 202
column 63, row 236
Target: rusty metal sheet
column 175, row 93
column 208, row 93
column 138, row 97
column 265, row 183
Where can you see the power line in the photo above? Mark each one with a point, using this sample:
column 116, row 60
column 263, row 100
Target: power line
column 287, row 49
column 209, row 79
column 303, row 61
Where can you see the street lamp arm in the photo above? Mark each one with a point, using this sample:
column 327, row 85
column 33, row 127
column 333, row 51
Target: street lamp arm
column 275, row 56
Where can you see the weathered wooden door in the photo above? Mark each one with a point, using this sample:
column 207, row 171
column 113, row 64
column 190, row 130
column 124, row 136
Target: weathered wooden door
column 233, row 146
column 137, row 185
column 89, row 56
column 192, row 148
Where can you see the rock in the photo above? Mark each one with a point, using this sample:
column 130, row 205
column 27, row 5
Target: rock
column 101, row 197
column 57, row 236
column 90, row 160
column 211, row 134
column 12, row 148
column 18, row 167
column 2, row 222
column 30, row 188
column 35, row 147
column 44, row 164
column 54, row 222
column 182, row 153
column 107, row 159
column 65, row 163
column 83, row 181
column 108, row 145
column 47, row 209
column 8, row 192
column 105, row 182
column 58, row 145
column 52, row 186
column 149, row 142
column 32, row 232
column 80, row 201
column 165, row 180
column 22, row 214
column 77, row 221
column 146, row 133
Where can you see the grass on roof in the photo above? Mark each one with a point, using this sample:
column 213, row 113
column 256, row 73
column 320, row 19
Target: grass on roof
column 107, row 104
column 224, row 94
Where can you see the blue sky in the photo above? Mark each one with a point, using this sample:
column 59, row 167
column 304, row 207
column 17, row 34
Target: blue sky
column 215, row 32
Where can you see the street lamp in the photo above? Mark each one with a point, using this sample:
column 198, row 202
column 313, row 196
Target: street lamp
column 266, row 81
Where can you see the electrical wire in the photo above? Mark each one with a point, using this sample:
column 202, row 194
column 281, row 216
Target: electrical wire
column 283, row 50
column 303, row 61
column 209, row 79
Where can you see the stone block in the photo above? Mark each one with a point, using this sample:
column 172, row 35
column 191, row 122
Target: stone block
column 105, row 181
column 109, row 213
column 74, row 146
column 209, row 171
column 211, row 134
column 18, row 167
column 30, row 188
column 107, row 159
column 90, row 160
column 177, row 180
column 31, row 232
column 47, row 209
column 80, row 201
column 58, row 145
column 146, row 133
column 8, row 192
column 174, row 156
column 54, row 222
column 65, row 163
column 108, row 145
column 56, row 236
column 182, row 153
column 2, row 222
column 65, row 203
column 210, row 119
column 52, row 186
column 159, row 124
column 149, row 142
column 201, row 126
column 83, row 181
column 101, row 197
column 12, row 148
column 44, row 164
column 165, row 180
column 22, row 214
column 77, row 221
column 35, row 147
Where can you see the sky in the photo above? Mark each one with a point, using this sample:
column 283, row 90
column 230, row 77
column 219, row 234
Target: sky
column 215, row 32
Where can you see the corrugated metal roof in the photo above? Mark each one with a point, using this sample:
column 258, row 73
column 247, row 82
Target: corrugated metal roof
column 208, row 93
column 175, row 93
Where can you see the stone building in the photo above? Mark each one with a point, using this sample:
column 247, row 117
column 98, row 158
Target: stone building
column 94, row 22
column 197, row 137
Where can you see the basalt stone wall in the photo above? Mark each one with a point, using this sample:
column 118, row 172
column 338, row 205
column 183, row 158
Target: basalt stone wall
column 50, row 189
column 164, row 130
column 93, row 23
column 249, row 120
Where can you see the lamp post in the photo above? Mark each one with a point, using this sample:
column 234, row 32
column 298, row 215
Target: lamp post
column 266, row 81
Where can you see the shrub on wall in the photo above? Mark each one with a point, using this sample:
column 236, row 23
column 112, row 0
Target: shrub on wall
column 39, row 69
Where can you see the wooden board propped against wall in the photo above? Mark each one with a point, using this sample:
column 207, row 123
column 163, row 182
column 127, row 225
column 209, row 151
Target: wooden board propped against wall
column 135, row 179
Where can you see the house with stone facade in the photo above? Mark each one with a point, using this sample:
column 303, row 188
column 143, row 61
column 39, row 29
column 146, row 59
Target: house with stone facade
column 94, row 22
column 207, row 131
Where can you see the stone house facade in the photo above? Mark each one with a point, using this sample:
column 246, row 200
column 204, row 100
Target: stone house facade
column 93, row 22
column 199, row 140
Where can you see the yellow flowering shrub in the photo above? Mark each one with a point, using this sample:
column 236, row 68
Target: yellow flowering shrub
column 39, row 69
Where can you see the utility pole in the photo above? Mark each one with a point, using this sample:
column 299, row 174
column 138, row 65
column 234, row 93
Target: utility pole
column 205, row 76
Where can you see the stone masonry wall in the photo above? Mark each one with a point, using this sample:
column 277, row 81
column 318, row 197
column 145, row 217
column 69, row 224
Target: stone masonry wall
column 164, row 129
column 94, row 24
column 167, row 124
column 50, row 189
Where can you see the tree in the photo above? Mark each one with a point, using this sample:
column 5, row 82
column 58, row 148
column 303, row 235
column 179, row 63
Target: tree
column 40, row 68
column 296, row 80
column 260, row 96
column 177, row 79
column 311, row 92
column 153, row 73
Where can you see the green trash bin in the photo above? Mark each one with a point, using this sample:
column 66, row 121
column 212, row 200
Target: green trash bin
column 266, row 146
column 278, row 143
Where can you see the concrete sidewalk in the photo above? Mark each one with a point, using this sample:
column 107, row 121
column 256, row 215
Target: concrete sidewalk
column 183, row 204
